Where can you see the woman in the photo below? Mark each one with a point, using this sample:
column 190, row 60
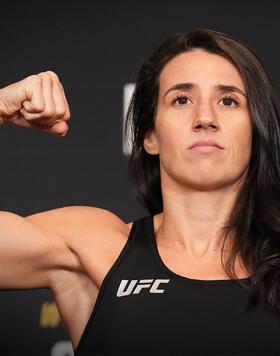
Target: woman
column 204, row 124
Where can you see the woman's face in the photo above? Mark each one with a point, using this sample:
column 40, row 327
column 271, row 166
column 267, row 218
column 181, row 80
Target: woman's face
column 201, row 97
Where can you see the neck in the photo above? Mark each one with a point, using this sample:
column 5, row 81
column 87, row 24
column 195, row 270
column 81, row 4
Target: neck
column 194, row 220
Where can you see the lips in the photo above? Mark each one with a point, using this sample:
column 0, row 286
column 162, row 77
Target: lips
column 205, row 143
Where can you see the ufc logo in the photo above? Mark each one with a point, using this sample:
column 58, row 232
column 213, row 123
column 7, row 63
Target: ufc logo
column 143, row 283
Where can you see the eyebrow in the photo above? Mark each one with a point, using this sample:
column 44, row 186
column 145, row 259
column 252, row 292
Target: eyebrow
column 223, row 88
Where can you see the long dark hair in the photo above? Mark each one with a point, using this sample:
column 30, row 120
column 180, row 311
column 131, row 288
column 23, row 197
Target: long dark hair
column 255, row 217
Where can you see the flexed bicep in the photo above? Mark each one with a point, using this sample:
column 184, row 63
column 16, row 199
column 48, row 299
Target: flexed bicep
column 31, row 255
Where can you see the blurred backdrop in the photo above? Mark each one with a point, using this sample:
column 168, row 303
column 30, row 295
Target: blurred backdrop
column 96, row 48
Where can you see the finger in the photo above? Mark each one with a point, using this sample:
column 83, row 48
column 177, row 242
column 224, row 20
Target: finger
column 67, row 113
column 34, row 116
column 49, row 110
column 58, row 129
column 35, row 100
column 59, row 102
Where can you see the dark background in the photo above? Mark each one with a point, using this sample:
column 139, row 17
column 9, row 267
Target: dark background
column 95, row 48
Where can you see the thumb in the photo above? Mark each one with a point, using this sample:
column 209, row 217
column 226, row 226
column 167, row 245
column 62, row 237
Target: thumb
column 30, row 106
column 33, row 101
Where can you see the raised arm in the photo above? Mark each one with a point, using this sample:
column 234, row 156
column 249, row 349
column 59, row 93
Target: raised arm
column 29, row 253
column 35, row 249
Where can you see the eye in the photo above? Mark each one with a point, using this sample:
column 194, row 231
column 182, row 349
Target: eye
column 228, row 100
column 180, row 100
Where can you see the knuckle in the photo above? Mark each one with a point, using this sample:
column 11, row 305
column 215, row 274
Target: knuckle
column 35, row 78
column 44, row 75
column 40, row 106
column 48, row 113
column 32, row 76
column 67, row 116
column 53, row 75
column 60, row 111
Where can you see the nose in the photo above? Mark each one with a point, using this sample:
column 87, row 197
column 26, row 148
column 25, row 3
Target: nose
column 205, row 118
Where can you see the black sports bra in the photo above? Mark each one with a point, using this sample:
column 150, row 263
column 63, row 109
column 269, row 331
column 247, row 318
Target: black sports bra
column 144, row 308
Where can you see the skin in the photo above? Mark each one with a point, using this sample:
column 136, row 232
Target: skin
column 199, row 188
column 70, row 250
column 36, row 102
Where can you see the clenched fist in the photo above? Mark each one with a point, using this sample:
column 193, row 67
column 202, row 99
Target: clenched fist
column 37, row 101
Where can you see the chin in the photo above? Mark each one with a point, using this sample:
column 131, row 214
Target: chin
column 207, row 185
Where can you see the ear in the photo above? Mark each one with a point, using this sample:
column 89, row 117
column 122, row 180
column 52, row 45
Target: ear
column 150, row 143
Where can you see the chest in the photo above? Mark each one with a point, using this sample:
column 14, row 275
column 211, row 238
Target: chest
column 76, row 294
column 177, row 318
